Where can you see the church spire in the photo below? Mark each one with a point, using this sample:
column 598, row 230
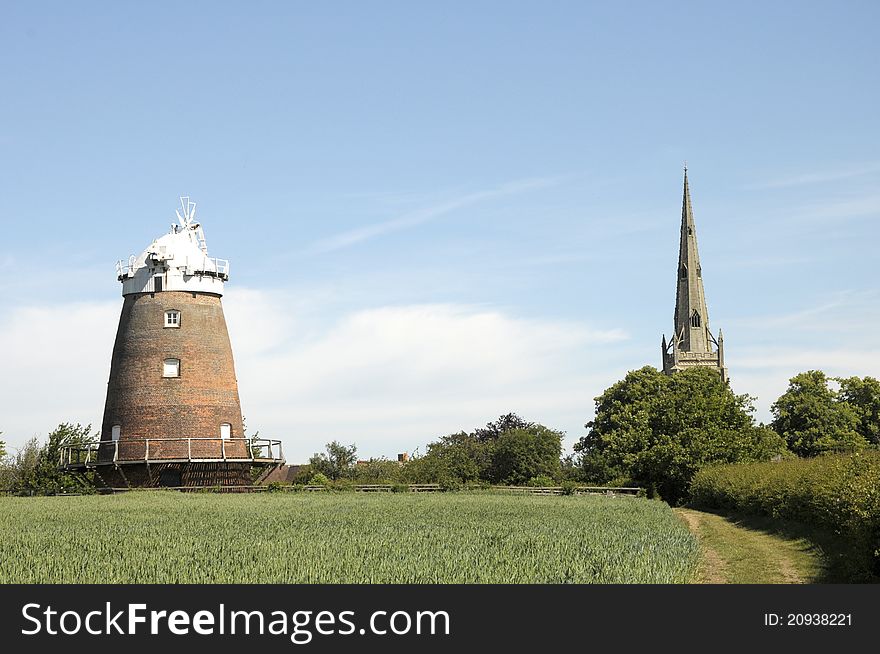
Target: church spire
column 691, row 314
column 692, row 342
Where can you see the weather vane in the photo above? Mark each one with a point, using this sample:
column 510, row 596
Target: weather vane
column 189, row 212
column 685, row 165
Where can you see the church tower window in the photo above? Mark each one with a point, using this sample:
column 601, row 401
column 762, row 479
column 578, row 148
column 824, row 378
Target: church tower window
column 695, row 320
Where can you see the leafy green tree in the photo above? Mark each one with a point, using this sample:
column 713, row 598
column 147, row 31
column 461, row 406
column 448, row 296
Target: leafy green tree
column 337, row 463
column 508, row 450
column 6, row 472
column 657, row 430
column 459, row 458
column 814, row 418
column 378, row 471
column 522, row 454
column 493, row 430
column 863, row 395
column 34, row 468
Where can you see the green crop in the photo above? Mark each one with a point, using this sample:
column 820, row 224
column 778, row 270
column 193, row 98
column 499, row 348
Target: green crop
column 169, row 537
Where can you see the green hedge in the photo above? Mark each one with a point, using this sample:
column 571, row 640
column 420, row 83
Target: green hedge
column 838, row 494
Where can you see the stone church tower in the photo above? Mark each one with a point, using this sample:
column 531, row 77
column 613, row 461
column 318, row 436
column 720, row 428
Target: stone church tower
column 172, row 415
column 692, row 343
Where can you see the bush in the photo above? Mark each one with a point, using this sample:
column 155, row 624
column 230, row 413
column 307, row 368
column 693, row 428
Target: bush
column 569, row 487
column 541, row 481
column 377, row 471
column 319, row 479
column 399, row 488
column 450, row 484
column 33, row 470
column 839, row 494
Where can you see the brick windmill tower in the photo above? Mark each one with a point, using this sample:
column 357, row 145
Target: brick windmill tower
column 172, row 415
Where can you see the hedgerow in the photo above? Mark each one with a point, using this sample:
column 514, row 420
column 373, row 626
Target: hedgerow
column 839, row 494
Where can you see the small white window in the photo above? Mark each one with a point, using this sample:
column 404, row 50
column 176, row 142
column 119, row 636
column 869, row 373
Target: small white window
column 115, row 432
column 172, row 318
column 171, row 368
column 225, row 431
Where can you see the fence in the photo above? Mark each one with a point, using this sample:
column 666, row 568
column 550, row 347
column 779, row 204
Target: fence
column 167, row 450
column 388, row 488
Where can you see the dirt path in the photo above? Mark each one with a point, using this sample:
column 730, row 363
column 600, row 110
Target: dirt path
column 712, row 568
column 733, row 553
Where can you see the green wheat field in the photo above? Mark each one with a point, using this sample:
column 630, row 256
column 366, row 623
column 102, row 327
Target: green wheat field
column 169, row 537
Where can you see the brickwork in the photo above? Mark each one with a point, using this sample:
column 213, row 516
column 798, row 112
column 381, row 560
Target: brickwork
column 147, row 405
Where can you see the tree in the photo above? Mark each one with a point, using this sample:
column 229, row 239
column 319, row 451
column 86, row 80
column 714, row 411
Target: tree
column 863, row 395
column 813, row 418
column 657, row 430
column 337, row 463
column 378, row 471
column 493, row 430
column 523, row 453
column 509, row 450
column 34, row 468
column 6, row 473
column 453, row 459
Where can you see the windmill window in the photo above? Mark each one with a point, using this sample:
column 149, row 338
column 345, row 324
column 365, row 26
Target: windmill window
column 172, row 318
column 225, row 431
column 171, row 368
column 695, row 320
column 115, row 432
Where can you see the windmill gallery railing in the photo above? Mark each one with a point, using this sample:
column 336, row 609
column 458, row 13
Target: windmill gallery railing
column 171, row 450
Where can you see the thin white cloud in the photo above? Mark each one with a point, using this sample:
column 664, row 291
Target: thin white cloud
column 736, row 261
column 854, row 208
column 821, row 177
column 766, row 351
column 351, row 237
column 765, row 371
column 859, row 307
column 833, row 360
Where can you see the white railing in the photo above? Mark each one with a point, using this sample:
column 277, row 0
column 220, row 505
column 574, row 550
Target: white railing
column 205, row 266
column 220, row 267
column 147, row 450
column 126, row 269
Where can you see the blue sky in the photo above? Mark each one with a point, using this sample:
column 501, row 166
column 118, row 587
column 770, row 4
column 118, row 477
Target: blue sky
column 438, row 213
